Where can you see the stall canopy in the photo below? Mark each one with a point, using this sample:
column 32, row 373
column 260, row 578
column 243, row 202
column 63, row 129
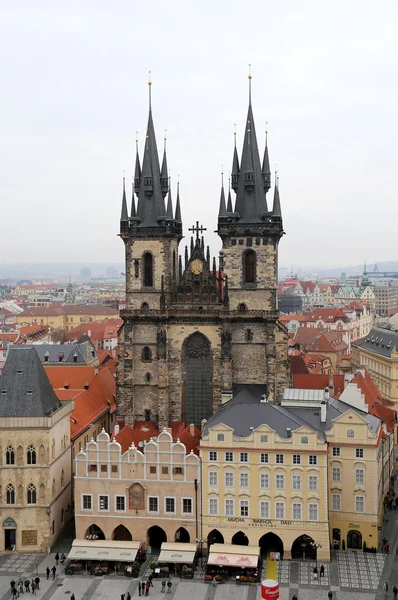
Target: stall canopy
column 224, row 555
column 104, row 550
column 177, row 553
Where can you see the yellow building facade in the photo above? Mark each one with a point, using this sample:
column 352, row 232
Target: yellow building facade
column 35, row 457
column 378, row 352
column 296, row 478
column 265, row 490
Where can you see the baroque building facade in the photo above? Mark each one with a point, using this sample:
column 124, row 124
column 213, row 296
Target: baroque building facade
column 194, row 329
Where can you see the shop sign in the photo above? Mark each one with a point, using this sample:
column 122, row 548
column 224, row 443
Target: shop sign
column 259, row 522
column 354, row 525
column 9, row 522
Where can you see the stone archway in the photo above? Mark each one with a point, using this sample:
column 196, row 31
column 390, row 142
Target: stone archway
column 354, row 539
column 303, row 547
column 121, row 533
column 94, row 531
column 156, row 536
column 197, row 379
column 182, row 536
column 240, row 539
column 270, row 542
column 215, row 537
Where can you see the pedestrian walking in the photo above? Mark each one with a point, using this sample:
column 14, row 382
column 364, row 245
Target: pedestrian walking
column 385, row 588
column 54, row 570
column 57, row 559
column 62, row 559
column 72, row 597
column 14, row 592
column 122, row 596
column 20, row 586
column 33, row 586
column 388, row 548
column 322, row 571
column 27, row 586
column 294, row 597
column 330, row 595
column 150, row 580
column 12, row 584
column 37, row 582
column 128, row 597
column 169, row 584
column 48, row 572
column 395, row 592
column 147, row 586
column 162, row 591
column 139, row 588
column 143, row 587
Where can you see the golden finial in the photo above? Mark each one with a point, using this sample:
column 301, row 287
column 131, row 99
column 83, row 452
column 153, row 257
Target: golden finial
column 222, row 175
column 178, row 179
column 165, row 134
column 149, row 79
column 136, row 137
column 266, row 127
column 250, row 72
column 149, row 84
column 250, row 84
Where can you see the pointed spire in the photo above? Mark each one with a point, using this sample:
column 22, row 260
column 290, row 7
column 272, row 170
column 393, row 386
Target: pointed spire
column 137, row 173
column 124, row 215
column 192, row 246
column 186, row 257
column 266, row 172
column 208, row 255
column 250, row 203
column 223, row 209
column 164, row 182
column 214, row 267
column 179, row 265
column 229, row 203
column 277, row 212
column 178, row 206
column 202, row 245
column 235, row 166
column 133, row 212
column 151, row 206
column 169, row 213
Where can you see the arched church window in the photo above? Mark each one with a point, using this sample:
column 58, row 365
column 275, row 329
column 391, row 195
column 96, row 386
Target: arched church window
column 146, row 355
column 31, row 494
column 31, row 455
column 148, row 269
column 10, row 494
column 10, row 456
column 144, row 306
column 148, row 377
column 249, row 266
column 242, row 307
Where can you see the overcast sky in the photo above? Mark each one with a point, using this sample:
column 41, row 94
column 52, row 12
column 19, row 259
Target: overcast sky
column 74, row 91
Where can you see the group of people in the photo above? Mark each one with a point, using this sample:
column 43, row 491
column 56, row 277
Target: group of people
column 144, row 586
column 321, row 572
column 394, row 590
column 30, row 586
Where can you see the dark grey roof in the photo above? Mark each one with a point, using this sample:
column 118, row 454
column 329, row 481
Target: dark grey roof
column 380, row 341
column 223, row 209
column 169, row 212
column 133, row 211
column 151, row 205
column 245, row 411
column 52, row 352
column 25, row 390
column 250, row 204
column 229, row 203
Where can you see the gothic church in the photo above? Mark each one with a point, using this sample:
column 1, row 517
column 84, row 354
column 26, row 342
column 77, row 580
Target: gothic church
column 193, row 329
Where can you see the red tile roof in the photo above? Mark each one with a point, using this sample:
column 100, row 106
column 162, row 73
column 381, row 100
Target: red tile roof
column 88, row 408
column 143, row 430
column 297, row 364
column 319, row 382
column 327, row 342
column 329, row 315
column 74, row 376
column 374, row 399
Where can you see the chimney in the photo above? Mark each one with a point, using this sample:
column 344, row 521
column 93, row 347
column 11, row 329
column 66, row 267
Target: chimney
column 323, row 411
column 327, row 394
column 192, row 429
column 89, row 333
column 116, row 430
column 202, row 424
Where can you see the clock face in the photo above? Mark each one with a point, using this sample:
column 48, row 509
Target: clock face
column 196, row 266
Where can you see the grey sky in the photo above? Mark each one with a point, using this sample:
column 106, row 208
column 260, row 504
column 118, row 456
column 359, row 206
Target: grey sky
column 74, row 91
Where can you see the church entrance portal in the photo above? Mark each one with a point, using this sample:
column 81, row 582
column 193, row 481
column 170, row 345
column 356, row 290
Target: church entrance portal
column 156, row 536
column 10, row 539
column 197, row 376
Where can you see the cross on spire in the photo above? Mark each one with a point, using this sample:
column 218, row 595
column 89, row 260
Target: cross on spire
column 196, row 229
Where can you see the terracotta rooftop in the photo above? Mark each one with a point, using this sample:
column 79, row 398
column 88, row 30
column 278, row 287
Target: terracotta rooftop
column 319, row 382
column 144, row 431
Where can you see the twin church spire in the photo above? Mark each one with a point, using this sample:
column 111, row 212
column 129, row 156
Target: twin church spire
column 251, row 180
column 151, row 186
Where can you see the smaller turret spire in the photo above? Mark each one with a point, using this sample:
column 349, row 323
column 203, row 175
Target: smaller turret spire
column 133, row 213
column 229, row 203
column 164, row 182
column 223, row 209
column 169, row 212
column 235, row 166
column 277, row 212
column 137, row 173
column 266, row 171
column 178, row 206
column 124, row 215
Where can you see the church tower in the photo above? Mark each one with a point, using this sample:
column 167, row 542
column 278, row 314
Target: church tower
column 193, row 329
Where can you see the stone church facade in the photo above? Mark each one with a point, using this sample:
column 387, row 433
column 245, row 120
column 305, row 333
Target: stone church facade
column 193, row 329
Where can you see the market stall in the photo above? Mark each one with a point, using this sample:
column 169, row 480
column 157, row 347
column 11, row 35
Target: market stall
column 233, row 562
column 100, row 557
column 178, row 558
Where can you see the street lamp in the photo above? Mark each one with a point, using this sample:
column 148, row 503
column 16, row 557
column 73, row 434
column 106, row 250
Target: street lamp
column 315, row 546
